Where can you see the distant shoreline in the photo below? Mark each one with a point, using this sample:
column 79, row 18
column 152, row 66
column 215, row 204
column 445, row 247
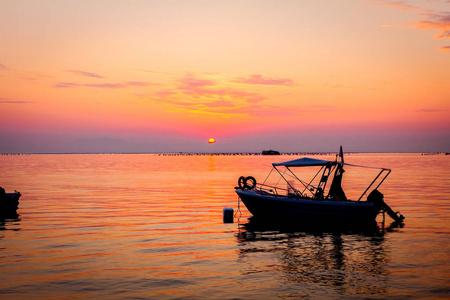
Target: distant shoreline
column 222, row 153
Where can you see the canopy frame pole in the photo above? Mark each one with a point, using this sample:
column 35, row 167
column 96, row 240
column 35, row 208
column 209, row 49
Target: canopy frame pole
column 295, row 176
column 309, row 184
column 284, row 177
column 298, row 179
column 281, row 176
column 268, row 176
column 370, row 185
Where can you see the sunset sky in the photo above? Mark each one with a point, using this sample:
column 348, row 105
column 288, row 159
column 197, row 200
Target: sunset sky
column 165, row 76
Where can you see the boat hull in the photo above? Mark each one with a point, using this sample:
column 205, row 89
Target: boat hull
column 9, row 202
column 268, row 205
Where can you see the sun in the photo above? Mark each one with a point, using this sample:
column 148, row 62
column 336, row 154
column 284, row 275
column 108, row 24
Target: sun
column 211, row 141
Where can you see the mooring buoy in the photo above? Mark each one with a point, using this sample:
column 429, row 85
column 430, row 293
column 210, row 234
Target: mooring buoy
column 228, row 215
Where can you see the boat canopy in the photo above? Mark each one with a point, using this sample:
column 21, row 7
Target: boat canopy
column 303, row 162
column 308, row 162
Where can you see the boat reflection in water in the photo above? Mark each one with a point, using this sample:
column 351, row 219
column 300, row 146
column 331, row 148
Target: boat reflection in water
column 9, row 221
column 305, row 258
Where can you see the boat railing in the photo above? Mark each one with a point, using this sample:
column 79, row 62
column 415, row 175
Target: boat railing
column 276, row 191
column 285, row 192
column 264, row 188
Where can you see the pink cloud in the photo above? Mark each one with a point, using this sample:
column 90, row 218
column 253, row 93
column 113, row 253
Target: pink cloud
column 200, row 105
column 3, row 67
column 213, row 96
column 220, row 103
column 401, row 5
column 102, row 85
column 230, row 108
column 65, row 85
column 255, row 99
column 260, row 80
column 106, row 85
column 178, row 103
column 138, row 83
column 165, row 93
column 445, row 48
column 11, row 101
column 429, row 110
column 190, row 82
column 439, row 22
column 322, row 108
column 84, row 73
column 194, row 87
column 267, row 111
column 434, row 21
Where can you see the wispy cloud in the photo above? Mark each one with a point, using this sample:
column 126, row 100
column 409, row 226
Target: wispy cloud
column 431, row 20
column 429, row 110
column 258, row 79
column 264, row 111
column 440, row 22
column 401, row 5
column 220, row 103
column 101, row 85
column 84, row 73
column 165, row 93
column 139, row 83
column 255, row 99
column 201, row 105
column 12, row 101
column 228, row 108
column 202, row 94
column 190, row 81
column 445, row 48
column 322, row 108
column 193, row 86
column 3, row 67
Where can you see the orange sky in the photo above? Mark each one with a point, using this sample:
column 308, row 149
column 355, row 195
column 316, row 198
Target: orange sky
column 165, row 76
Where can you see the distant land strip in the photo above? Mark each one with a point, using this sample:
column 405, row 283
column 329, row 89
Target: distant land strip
column 221, row 153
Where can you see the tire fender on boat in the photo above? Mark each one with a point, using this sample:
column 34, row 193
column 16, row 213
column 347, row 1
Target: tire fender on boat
column 241, row 182
column 250, row 182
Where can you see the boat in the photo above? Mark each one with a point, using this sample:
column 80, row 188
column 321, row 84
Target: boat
column 270, row 152
column 319, row 198
column 9, row 202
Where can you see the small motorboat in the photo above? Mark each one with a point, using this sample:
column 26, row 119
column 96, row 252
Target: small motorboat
column 316, row 199
column 9, row 202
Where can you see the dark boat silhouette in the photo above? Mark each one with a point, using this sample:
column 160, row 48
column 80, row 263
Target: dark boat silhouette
column 9, row 202
column 270, row 152
column 314, row 200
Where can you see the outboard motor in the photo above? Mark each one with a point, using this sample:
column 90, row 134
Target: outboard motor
column 376, row 198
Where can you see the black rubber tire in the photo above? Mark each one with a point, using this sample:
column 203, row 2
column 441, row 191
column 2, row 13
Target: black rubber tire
column 241, row 182
column 250, row 182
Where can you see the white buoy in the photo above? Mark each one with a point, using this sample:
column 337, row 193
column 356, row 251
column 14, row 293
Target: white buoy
column 228, row 215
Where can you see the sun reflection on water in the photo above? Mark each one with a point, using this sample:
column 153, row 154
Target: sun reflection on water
column 149, row 226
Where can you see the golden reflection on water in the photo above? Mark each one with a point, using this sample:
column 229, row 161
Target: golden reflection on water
column 150, row 226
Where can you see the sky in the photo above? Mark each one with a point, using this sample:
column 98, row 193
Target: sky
column 88, row 76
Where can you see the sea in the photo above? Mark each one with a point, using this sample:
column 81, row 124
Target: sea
column 150, row 226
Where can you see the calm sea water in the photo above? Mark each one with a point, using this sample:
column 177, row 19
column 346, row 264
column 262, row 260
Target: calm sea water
column 150, row 227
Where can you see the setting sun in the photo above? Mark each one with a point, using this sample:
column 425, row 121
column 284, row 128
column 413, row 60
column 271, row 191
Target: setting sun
column 211, row 141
